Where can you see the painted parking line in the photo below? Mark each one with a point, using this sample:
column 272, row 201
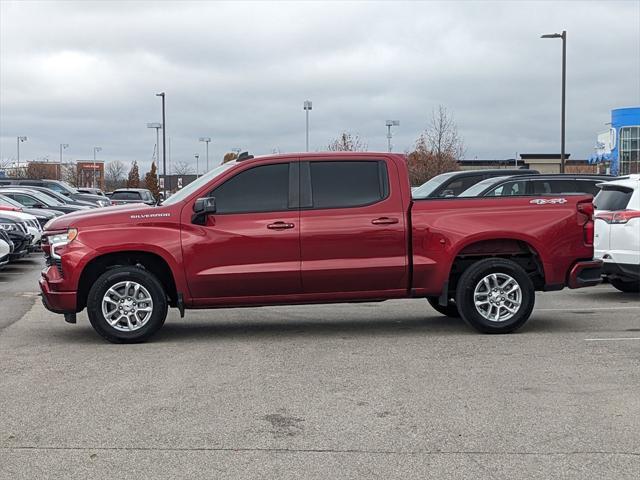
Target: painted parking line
column 580, row 309
column 610, row 339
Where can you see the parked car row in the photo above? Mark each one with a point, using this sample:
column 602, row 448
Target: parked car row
column 27, row 205
column 616, row 200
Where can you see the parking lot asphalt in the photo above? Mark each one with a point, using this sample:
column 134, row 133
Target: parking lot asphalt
column 374, row 390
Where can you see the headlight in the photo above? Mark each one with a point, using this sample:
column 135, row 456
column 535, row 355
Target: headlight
column 8, row 226
column 61, row 239
column 104, row 203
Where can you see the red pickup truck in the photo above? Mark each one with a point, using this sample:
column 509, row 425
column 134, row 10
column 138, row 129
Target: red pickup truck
column 314, row 228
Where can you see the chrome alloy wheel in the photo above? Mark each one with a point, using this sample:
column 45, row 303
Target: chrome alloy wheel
column 127, row 306
column 497, row 297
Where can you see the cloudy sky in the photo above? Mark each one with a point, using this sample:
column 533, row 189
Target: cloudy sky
column 86, row 73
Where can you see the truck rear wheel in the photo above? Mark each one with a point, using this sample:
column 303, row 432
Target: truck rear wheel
column 495, row 296
column 127, row 305
column 450, row 310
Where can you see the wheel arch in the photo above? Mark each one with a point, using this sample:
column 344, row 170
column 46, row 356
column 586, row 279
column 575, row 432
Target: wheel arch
column 152, row 262
column 520, row 250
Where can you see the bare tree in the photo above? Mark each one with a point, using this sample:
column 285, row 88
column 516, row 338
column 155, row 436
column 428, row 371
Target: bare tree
column 182, row 168
column 442, row 135
column 347, row 142
column 437, row 150
column 70, row 174
column 114, row 175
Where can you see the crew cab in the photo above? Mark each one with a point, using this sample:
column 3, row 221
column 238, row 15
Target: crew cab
column 314, row 228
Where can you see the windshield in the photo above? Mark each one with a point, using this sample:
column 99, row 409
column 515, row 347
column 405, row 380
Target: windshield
column 45, row 199
column 198, row 183
column 430, row 186
column 479, row 187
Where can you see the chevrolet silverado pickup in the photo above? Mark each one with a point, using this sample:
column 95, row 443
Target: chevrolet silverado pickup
column 315, row 228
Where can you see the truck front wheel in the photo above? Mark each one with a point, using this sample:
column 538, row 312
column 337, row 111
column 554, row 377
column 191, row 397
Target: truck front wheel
column 127, row 305
column 495, row 296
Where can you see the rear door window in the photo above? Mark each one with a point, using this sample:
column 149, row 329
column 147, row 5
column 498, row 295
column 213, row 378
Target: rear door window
column 587, row 186
column 563, row 186
column 613, row 198
column 343, row 184
column 509, row 189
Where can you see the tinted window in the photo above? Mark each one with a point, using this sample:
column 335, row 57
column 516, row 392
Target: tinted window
column 347, row 184
column 126, row 196
column 613, row 198
column 563, row 186
column 509, row 189
column 259, row 189
column 588, row 186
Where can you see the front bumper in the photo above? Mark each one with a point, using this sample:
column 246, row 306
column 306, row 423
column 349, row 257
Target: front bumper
column 53, row 299
column 585, row 274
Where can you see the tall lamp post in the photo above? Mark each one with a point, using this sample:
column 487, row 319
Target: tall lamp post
column 95, row 149
column 197, row 169
column 157, row 126
column 63, row 146
column 18, row 142
column 389, row 124
column 307, row 106
column 164, row 148
column 206, row 140
column 563, row 36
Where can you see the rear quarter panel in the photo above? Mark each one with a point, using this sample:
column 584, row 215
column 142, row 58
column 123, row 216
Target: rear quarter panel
column 442, row 228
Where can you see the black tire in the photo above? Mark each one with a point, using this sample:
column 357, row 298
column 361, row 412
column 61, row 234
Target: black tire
column 112, row 277
column 628, row 286
column 472, row 277
column 450, row 310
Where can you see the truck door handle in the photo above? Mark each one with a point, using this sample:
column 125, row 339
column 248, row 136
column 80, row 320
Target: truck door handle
column 384, row 221
column 280, row 226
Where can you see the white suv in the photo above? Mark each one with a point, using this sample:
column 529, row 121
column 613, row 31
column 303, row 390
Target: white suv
column 617, row 231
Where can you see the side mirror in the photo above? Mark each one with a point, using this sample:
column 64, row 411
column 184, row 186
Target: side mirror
column 39, row 205
column 448, row 193
column 205, row 205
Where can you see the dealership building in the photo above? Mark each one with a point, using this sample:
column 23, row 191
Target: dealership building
column 619, row 146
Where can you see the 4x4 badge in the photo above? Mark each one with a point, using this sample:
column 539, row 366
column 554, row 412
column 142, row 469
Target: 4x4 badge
column 545, row 201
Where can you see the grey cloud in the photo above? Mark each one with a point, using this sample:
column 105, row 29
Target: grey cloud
column 85, row 73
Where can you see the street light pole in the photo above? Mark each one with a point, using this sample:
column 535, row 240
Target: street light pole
column 563, row 36
column 197, row 169
column 63, row 146
column 95, row 149
column 307, row 106
column 389, row 124
column 18, row 142
column 164, row 147
column 206, row 140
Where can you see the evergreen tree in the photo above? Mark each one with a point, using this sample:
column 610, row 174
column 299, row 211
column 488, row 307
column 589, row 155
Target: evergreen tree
column 151, row 181
column 133, row 180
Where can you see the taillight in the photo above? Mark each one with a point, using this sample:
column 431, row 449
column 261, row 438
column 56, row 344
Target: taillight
column 585, row 218
column 622, row 216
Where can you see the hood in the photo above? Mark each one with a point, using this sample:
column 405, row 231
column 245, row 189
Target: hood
column 117, row 214
column 42, row 212
column 18, row 216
